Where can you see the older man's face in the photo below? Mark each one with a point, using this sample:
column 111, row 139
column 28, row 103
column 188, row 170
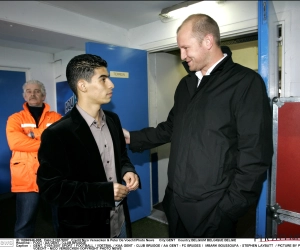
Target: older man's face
column 33, row 95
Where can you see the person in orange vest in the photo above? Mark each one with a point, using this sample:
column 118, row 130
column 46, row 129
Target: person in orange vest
column 23, row 131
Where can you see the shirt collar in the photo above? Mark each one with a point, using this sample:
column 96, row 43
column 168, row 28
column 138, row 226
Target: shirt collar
column 89, row 119
column 199, row 73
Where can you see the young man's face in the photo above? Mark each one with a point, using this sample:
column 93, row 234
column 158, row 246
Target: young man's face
column 33, row 95
column 99, row 89
column 191, row 49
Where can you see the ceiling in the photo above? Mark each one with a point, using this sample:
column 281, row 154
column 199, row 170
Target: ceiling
column 124, row 14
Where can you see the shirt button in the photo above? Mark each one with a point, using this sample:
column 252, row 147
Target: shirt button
column 107, row 161
column 104, row 145
column 110, row 178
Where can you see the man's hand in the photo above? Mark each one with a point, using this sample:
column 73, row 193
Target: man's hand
column 126, row 135
column 120, row 191
column 132, row 181
column 31, row 135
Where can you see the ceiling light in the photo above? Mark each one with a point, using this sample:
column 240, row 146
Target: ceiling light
column 176, row 11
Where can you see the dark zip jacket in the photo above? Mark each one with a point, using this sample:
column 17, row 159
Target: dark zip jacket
column 221, row 138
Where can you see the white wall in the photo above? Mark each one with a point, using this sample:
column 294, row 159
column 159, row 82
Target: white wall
column 61, row 60
column 165, row 72
column 288, row 15
column 39, row 65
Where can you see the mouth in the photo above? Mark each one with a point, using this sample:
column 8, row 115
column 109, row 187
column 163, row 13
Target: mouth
column 188, row 62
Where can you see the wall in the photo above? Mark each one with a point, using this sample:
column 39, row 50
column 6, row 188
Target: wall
column 61, row 60
column 287, row 13
column 245, row 54
column 165, row 72
column 45, row 67
column 234, row 18
column 38, row 15
column 39, row 65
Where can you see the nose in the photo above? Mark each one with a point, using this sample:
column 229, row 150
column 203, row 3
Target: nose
column 110, row 84
column 182, row 54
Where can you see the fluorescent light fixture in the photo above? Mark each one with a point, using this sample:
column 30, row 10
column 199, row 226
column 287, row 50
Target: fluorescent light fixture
column 176, row 11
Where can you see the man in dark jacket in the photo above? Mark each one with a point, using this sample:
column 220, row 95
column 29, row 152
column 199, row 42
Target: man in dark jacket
column 220, row 129
column 83, row 159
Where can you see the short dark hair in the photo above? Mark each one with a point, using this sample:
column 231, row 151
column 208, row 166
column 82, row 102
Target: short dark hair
column 82, row 67
column 203, row 25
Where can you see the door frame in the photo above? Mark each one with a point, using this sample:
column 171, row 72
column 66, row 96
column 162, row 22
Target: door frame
column 19, row 69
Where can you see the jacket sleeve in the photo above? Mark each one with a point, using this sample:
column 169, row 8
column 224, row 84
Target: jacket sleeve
column 17, row 139
column 126, row 165
column 255, row 147
column 38, row 131
column 55, row 185
column 148, row 138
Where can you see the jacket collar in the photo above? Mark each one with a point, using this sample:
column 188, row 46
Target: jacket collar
column 46, row 107
column 192, row 80
column 83, row 127
column 83, row 133
column 227, row 59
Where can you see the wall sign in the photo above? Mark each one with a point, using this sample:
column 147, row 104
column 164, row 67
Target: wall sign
column 117, row 74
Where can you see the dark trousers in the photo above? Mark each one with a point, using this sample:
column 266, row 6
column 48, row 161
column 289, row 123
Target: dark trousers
column 226, row 228
column 26, row 213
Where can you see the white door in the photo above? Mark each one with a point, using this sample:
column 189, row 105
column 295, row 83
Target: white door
column 165, row 72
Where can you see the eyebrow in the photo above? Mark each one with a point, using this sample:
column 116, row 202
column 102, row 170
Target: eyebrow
column 104, row 76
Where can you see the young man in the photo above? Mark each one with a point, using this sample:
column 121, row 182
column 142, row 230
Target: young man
column 23, row 133
column 220, row 129
column 83, row 159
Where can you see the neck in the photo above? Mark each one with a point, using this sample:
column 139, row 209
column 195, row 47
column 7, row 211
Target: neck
column 91, row 109
column 218, row 55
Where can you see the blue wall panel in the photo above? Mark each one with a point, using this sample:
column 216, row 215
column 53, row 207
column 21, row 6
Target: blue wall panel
column 11, row 101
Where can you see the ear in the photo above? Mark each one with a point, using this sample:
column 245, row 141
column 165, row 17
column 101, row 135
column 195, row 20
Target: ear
column 209, row 41
column 81, row 85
